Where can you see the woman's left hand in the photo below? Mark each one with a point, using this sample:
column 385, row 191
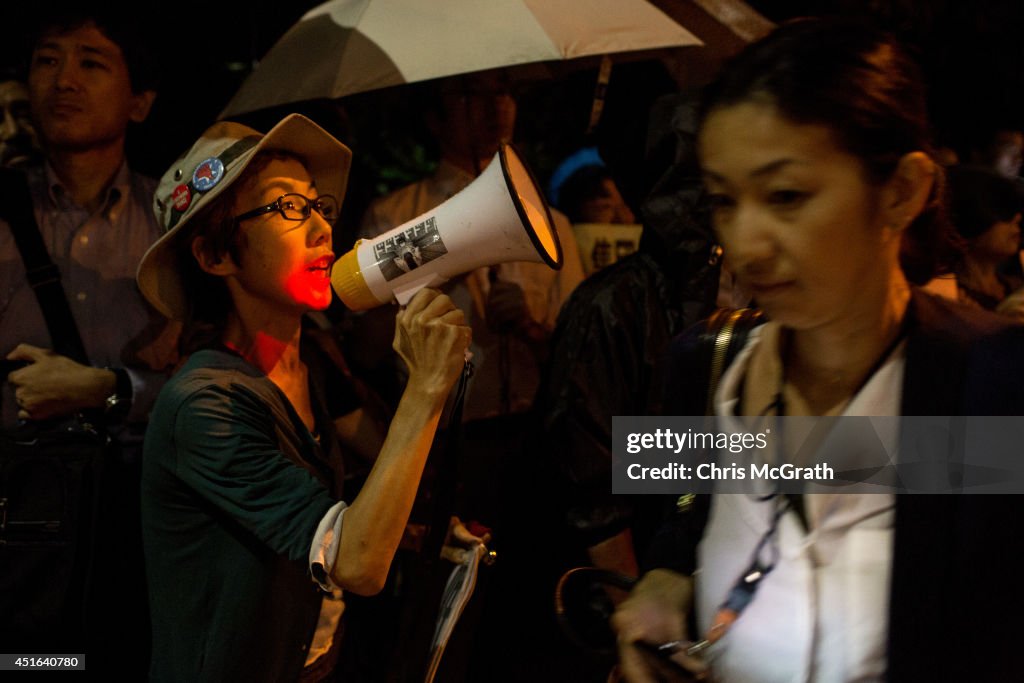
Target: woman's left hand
column 459, row 538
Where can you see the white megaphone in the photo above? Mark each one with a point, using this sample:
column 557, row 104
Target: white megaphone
column 501, row 216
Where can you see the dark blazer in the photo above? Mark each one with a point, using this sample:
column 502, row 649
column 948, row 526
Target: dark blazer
column 957, row 594
column 957, row 598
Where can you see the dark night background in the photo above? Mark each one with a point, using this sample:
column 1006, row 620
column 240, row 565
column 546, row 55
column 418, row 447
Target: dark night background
column 971, row 53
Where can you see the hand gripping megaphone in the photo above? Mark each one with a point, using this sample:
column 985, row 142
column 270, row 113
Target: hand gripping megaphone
column 501, row 216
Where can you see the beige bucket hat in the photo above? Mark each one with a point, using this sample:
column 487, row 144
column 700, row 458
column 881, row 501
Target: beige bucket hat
column 210, row 167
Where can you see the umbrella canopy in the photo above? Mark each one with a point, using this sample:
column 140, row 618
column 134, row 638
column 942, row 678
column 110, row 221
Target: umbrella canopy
column 344, row 47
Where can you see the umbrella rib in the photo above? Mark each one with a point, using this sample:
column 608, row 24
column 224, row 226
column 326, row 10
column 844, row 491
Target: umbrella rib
column 339, row 77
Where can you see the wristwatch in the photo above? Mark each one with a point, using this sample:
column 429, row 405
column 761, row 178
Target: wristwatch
column 117, row 405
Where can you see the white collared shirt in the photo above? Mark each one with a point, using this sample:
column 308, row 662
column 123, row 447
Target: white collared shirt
column 821, row 614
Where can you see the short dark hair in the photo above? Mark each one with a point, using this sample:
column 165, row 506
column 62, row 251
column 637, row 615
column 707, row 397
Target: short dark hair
column 861, row 84
column 980, row 197
column 121, row 25
column 585, row 184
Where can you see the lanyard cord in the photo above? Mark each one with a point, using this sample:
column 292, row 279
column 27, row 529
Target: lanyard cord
column 742, row 592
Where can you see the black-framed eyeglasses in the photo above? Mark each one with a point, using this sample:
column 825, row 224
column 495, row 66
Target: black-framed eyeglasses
column 297, row 207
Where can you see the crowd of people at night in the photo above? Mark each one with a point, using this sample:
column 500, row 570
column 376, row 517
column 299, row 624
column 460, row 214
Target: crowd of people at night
column 250, row 477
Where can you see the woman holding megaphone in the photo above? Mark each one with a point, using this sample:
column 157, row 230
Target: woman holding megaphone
column 248, row 544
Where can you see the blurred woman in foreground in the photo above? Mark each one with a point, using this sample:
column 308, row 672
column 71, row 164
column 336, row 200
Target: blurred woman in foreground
column 814, row 147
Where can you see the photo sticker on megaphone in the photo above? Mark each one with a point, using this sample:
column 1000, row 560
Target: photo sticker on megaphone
column 500, row 217
column 409, row 249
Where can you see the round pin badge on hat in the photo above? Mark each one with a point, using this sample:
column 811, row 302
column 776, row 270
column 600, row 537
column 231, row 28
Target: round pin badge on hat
column 207, row 174
column 181, row 197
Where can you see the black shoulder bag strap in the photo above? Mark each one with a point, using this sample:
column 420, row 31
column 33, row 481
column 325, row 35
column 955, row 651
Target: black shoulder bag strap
column 56, row 546
column 42, row 273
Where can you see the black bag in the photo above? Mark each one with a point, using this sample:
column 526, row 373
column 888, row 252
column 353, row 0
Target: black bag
column 698, row 357
column 48, row 482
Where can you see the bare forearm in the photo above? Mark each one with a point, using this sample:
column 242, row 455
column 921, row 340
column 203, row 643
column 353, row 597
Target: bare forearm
column 376, row 519
column 615, row 554
column 431, row 338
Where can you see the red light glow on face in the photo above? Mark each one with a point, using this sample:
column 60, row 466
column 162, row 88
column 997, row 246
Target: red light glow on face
column 312, row 285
